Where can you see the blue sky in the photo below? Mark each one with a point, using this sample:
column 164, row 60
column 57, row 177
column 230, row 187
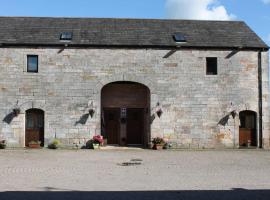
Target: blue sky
column 256, row 13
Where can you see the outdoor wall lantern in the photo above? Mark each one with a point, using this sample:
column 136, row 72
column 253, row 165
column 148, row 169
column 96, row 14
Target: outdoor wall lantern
column 158, row 110
column 91, row 112
column 16, row 111
column 233, row 113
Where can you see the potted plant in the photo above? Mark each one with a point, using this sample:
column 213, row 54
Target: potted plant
column 90, row 144
column 54, row 144
column 34, row 144
column 97, row 141
column 158, row 143
column 3, row 144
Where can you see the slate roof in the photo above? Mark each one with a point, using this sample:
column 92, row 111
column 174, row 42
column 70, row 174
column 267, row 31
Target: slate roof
column 127, row 32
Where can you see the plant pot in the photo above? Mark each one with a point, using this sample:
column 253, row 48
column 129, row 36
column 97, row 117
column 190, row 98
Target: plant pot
column 34, row 146
column 158, row 146
column 96, row 146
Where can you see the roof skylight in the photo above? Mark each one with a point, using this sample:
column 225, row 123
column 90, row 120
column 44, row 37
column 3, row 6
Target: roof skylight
column 66, row 36
column 179, row 38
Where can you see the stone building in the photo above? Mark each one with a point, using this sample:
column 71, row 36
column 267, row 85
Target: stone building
column 198, row 84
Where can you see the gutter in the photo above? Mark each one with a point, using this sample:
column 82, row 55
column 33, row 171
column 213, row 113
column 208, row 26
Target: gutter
column 260, row 98
column 102, row 46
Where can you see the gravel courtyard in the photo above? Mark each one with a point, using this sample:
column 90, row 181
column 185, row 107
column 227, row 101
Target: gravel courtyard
column 137, row 174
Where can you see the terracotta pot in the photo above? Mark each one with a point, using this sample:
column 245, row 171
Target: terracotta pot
column 34, row 146
column 158, row 146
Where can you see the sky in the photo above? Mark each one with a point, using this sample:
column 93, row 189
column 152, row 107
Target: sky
column 256, row 13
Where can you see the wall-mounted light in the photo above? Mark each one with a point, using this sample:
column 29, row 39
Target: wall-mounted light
column 91, row 112
column 16, row 111
column 158, row 110
column 233, row 113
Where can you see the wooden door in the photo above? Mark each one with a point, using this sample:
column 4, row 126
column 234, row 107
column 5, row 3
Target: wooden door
column 247, row 129
column 34, row 126
column 135, row 126
column 111, row 124
column 247, row 136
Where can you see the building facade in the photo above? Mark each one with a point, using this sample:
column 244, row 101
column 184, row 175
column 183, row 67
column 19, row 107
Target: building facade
column 198, row 84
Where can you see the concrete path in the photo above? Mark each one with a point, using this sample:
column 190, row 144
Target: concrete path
column 134, row 174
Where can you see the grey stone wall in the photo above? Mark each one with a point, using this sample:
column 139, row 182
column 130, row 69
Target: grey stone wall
column 70, row 81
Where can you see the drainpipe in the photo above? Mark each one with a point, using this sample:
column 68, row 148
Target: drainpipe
column 260, row 97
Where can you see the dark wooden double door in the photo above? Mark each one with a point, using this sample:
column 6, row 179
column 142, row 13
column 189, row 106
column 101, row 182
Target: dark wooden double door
column 124, row 128
column 34, row 126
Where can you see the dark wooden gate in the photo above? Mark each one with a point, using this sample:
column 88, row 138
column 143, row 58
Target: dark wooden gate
column 124, row 118
column 111, row 125
column 34, row 126
column 135, row 126
column 247, row 129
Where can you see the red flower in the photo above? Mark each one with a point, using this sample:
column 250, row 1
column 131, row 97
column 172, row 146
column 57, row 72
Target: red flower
column 98, row 139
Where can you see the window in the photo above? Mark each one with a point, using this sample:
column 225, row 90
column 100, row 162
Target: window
column 66, row 36
column 211, row 66
column 32, row 63
column 29, row 121
column 247, row 119
column 179, row 38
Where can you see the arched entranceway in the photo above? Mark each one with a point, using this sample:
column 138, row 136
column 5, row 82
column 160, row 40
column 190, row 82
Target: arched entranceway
column 125, row 111
column 247, row 128
column 34, row 126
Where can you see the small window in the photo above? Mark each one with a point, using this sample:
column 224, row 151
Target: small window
column 66, row 36
column 211, row 66
column 29, row 121
column 179, row 38
column 32, row 63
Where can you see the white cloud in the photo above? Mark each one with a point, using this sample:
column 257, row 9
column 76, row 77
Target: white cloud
column 197, row 9
column 266, row 1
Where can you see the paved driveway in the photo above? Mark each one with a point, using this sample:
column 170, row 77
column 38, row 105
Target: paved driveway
column 134, row 174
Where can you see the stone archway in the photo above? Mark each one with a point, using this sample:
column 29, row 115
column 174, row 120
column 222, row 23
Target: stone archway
column 34, row 126
column 248, row 128
column 125, row 113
